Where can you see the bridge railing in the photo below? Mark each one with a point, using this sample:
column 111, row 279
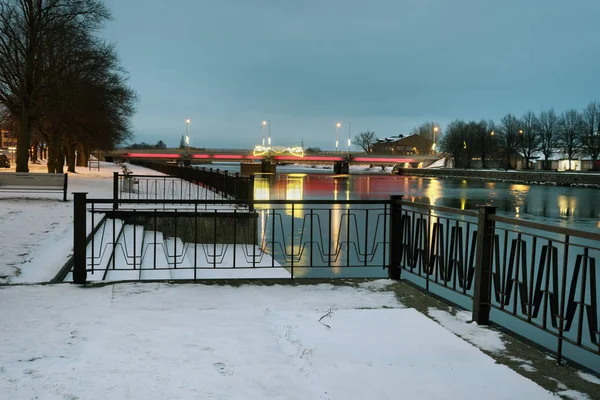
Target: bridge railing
column 225, row 184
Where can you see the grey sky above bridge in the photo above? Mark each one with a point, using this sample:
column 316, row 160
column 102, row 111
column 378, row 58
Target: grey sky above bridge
column 384, row 65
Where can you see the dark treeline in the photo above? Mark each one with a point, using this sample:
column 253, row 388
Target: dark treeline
column 572, row 134
column 143, row 145
column 60, row 84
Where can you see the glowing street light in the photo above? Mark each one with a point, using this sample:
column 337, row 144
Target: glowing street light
column 268, row 124
column 435, row 131
column 349, row 142
column 264, row 125
column 187, row 132
column 492, row 133
column 337, row 135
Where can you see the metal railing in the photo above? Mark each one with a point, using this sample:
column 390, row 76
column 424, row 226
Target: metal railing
column 228, row 185
column 160, row 187
column 537, row 280
column 516, row 273
column 185, row 238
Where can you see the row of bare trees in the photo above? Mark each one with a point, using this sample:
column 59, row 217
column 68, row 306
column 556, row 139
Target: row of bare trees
column 60, row 83
column 572, row 134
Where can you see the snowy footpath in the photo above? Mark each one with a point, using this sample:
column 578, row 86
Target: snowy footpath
column 159, row 341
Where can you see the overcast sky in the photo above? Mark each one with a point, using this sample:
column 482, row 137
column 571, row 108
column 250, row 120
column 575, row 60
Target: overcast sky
column 384, row 65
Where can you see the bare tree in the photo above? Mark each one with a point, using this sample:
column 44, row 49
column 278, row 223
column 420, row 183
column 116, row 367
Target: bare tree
column 570, row 138
column 529, row 136
column 24, row 28
column 453, row 142
column 430, row 130
column 365, row 140
column 549, row 130
column 591, row 131
column 508, row 137
column 486, row 140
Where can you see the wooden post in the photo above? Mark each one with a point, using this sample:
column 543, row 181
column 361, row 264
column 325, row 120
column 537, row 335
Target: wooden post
column 483, row 266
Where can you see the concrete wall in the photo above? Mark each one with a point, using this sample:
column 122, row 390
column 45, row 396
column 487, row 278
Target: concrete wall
column 257, row 168
column 199, row 228
column 555, row 178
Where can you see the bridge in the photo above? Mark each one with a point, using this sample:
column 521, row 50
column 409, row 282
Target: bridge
column 265, row 159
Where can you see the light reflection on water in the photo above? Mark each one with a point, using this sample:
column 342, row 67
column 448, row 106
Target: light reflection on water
column 574, row 206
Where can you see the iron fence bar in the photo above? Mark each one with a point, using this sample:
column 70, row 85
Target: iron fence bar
column 329, row 236
column 367, row 235
column 292, row 238
column 311, row 236
column 196, row 242
column 215, row 241
column 175, row 236
column 584, row 260
column 254, row 241
column 449, row 210
column 93, row 236
column 273, row 238
column 384, row 260
column 134, row 245
column 548, row 228
column 155, row 244
column 532, row 288
column 234, row 236
column 348, row 237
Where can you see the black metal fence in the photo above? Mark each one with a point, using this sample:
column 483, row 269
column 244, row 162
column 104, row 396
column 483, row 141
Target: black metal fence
column 537, row 280
column 160, row 187
column 234, row 186
column 519, row 274
column 291, row 239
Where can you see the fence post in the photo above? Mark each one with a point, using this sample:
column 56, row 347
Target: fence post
column 395, row 237
column 115, row 190
column 483, row 266
column 79, row 240
column 251, row 193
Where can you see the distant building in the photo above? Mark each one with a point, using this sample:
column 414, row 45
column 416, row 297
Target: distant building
column 404, row 145
column 7, row 139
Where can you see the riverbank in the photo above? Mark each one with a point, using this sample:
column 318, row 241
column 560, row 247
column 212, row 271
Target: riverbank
column 583, row 179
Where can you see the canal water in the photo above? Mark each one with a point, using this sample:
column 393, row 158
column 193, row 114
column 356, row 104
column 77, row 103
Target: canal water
column 575, row 207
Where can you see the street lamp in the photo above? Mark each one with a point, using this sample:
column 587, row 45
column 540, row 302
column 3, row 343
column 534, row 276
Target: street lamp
column 264, row 125
column 187, row 133
column 349, row 142
column 269, row 125
column 337, row 135
column 435, row 131
column 492, row 133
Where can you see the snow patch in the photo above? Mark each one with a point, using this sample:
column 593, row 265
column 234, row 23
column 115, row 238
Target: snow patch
column 484, row 338
column 589, row 377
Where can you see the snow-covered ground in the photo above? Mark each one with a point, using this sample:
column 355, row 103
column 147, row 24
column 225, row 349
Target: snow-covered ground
column 36, row 229
column 159, row 341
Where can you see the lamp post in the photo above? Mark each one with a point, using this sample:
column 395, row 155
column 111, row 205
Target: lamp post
column 269, row 126
column 187, row 133
column 263, row 125
column 435, row 131
column 337, row 134
column 349, row 141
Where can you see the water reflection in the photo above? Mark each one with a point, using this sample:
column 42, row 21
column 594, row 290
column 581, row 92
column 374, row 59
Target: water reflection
column 562, row 204
column 567, row 205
